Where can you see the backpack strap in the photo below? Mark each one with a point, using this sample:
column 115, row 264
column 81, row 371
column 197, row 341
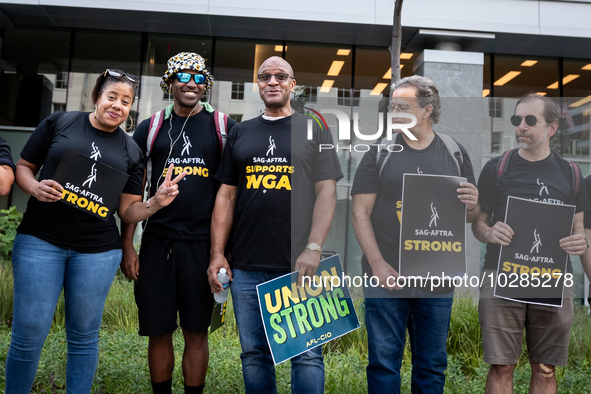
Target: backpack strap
column 155, row 126
column 500, row 170
column 501, row 167
column 382, row 156
column 454, row 150
column 451, row 145
column 575, row 183
column 64, row 121
column 221, row 124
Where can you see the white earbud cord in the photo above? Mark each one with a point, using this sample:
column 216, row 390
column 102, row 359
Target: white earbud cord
column 172, row 143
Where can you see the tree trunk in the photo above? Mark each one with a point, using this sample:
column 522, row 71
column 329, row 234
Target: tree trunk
column 396, row 42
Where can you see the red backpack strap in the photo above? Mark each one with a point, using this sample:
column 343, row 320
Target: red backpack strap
column 221, row 124
column 503, row 162
column 575, row 182
column 155, row 126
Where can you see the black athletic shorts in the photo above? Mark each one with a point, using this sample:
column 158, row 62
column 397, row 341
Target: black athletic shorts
column 173, row 277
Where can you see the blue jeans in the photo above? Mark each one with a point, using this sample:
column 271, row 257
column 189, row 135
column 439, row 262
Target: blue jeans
column 307, row 369
column 40, row 272
column 427, row 320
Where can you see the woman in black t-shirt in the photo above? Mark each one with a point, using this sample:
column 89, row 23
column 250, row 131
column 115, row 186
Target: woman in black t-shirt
column 75, row 244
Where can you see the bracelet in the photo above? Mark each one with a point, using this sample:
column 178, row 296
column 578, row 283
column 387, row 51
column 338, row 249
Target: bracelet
column 470, row 210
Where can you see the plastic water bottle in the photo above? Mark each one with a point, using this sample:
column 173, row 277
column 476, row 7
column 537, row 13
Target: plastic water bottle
column 225, row 281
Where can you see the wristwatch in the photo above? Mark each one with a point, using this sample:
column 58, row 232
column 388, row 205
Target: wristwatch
column 315, row 247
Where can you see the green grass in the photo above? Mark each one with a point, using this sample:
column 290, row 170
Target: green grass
column 123, row 364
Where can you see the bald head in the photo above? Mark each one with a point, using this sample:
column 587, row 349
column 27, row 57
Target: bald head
column 275, row 62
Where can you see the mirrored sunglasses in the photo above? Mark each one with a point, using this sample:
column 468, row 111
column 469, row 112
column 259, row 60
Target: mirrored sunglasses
column 186, row 77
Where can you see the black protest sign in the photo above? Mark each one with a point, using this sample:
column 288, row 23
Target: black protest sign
column 532, row 267
column 218, row 316
column 433, row 227
column 89, row 185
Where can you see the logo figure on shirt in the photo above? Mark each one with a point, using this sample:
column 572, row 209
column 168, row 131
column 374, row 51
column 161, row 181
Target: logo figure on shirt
column 96, row 153
column 543, row 188
column 91, row 178
column 186, row 144
column 419, row 171
column 434, row 216
column 537, row 242
column 271, row 146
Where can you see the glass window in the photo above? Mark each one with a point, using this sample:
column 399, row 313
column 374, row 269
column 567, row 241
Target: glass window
column 59, row 107
column 576, row 109
column 236, row 117
column 495, row 107
column 29, row 70
column 93, row 53
column 515, row 76
column 237, row 90
column 311, row 94
column 236, row 65
column 373, row 70
column 61, row 81
column 348, row 97
column 160, row 48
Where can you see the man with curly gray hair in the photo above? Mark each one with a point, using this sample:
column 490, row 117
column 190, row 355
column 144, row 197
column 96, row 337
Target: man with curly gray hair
column 377, row 201
column 175, row 249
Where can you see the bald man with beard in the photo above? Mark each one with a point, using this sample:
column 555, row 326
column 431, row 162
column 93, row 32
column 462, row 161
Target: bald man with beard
column 278, row 225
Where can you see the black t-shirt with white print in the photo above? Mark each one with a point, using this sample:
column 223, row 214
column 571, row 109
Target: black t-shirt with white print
column 275, row 169
column 197, row 150
column 63, row 225
column 385, row 217
column 5, row 156
column 547, row 180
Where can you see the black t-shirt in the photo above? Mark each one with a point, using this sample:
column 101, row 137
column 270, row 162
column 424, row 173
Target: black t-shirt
column 63, row 225
column 547, row 180
column 196, row 150
column 588, row 211
column 5, row 156
column 434, row 159
column 275, row 169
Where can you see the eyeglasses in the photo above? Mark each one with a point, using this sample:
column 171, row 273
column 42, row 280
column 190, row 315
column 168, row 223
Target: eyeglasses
column 402, row 107
column 186, row 77
column 119, row 74
column 279, row 77
column 530, row 120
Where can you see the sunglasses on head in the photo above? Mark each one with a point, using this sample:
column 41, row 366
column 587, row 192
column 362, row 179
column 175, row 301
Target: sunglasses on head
column 530, row 120
column 186, row 77
column 279, row 77
column 119, row 74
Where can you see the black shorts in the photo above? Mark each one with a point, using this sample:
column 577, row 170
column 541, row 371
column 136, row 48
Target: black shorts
column 173, row 277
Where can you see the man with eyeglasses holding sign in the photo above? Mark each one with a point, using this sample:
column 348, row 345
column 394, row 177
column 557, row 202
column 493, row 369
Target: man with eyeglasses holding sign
column 171, row 273
column 532, row 172
column 377, row 195
column 277, row 199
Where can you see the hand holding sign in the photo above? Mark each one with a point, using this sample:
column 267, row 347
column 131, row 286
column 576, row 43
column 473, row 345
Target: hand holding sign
column 468, row 194
column 387, row 275
column 574, row 245
column 169, row 189
column 48, row 190
column 306, row 264
column 501, row 233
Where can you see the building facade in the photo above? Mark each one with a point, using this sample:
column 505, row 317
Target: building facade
column 482, row 54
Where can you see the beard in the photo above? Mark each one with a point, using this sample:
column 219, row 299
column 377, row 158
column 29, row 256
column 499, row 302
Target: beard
column 534, row 143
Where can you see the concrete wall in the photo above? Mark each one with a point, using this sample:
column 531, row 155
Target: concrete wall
column 559, row 18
